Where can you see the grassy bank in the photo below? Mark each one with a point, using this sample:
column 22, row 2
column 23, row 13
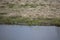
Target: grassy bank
column 28, row 21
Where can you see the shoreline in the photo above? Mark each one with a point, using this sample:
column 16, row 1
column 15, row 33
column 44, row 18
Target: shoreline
column 27, row 25
column 30, row 22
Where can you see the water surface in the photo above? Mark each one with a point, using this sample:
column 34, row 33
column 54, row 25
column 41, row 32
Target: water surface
column 17, row 32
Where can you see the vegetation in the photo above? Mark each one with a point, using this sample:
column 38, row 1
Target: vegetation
column 39, row 12
column 29, row 5
column 2, row 14
column 28, row 21
column 56, row 22
column 2, row 6
column 32, row 5
column 11, row 5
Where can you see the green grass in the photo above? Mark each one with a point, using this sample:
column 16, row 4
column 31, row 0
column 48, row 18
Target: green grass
column 56, row 22
column 28, row 21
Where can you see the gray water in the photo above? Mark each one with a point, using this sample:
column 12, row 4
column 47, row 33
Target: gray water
column 17, row 32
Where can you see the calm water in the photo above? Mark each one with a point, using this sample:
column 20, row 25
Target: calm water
column 17, row 32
